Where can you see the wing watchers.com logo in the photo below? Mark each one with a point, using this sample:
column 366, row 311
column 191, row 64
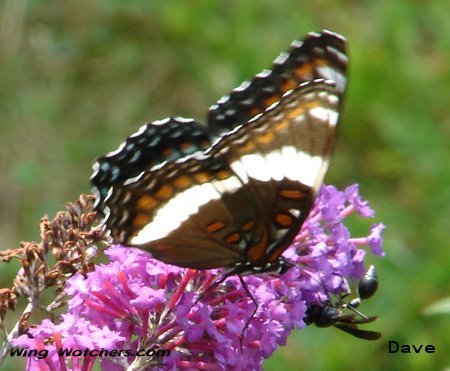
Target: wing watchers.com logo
column 67, row 352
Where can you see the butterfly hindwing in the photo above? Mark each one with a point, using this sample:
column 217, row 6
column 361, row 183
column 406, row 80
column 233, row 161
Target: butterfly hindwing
column 179, row 207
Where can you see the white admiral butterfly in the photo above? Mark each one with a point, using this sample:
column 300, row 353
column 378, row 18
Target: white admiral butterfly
column 234, row 192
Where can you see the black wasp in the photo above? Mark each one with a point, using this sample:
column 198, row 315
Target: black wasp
column 328, row 314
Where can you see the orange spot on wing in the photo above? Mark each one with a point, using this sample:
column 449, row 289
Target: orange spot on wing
column 271, row 100
column 223, row 174
column 233, row 237
column 299, row 111
column 214, row 227
column 281, row 125
column 202, row 177
column 283, row 220
column 256, row 252
column 289, row 85
column 292, row 194
column 182, row 182
column 140, row 220
column 304, row 71
column 254, row 111
column 164, row 192
column 265, row 137
column 146, row 203
column 247, row 147
column 248, row 225
column 320, row 62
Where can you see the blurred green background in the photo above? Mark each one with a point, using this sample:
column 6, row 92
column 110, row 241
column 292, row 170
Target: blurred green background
column 77, row 77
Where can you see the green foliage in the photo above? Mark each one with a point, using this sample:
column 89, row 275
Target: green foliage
column 77, row 77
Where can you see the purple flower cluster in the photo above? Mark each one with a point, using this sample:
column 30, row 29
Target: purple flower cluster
column 138, row 303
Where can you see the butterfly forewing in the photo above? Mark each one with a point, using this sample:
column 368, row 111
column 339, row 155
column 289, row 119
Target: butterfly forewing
column 319, row 56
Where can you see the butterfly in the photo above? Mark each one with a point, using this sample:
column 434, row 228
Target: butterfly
column 326, row 314
column 235, row 191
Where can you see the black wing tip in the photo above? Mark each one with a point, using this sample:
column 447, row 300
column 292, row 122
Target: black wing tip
column 326, row 35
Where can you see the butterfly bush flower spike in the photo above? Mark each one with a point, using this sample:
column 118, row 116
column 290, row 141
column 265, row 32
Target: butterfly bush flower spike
column 138, row 303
